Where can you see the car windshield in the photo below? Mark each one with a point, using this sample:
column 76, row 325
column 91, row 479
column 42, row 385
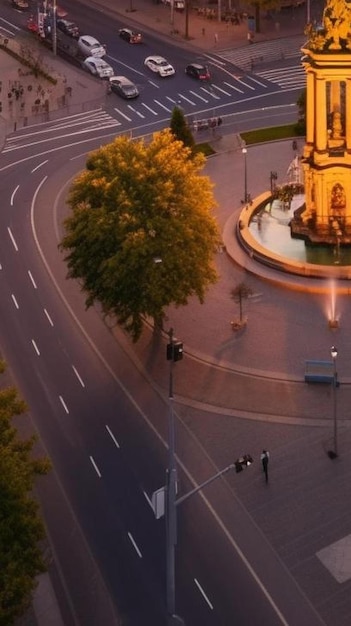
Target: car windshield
column 95, row 45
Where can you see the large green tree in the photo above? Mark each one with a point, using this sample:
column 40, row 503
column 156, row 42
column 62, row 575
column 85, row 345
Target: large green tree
column 141, row 235
column 21, row 527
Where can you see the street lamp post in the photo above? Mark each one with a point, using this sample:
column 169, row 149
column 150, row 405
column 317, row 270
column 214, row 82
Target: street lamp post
column 334, row 453
column 244, row 152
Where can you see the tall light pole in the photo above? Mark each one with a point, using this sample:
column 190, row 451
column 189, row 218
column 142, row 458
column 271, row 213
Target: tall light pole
column 246, row 196
column 308, row 16
column 334, row 453
column 54, row 28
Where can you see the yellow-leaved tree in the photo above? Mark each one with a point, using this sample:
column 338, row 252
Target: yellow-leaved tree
column 141, row 235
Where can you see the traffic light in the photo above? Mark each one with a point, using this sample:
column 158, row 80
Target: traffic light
column 242, row 462
column 175, row 351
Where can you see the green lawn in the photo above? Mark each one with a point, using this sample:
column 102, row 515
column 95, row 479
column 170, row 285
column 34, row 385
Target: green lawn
column 269, row 134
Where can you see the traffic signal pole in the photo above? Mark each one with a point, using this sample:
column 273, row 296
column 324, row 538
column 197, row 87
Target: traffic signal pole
column 175, row 353
column 171, row 488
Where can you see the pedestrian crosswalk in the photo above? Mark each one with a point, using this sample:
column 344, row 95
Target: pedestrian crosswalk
column 288, row 78
column 250, row 57
column 66, row 128
column 198, row 102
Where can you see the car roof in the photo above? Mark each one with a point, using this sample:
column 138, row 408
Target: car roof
column 197, row 66
column 96, row 60
column 122, row 79
column 89, row 39
column 127, row 30
column 157, row 58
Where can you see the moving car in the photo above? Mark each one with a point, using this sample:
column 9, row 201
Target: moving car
column 98, row 67
column 69, row 28
column 90, row 47
column 159, row 65
column 201, row 72
column 129, row 35
column 124, row 87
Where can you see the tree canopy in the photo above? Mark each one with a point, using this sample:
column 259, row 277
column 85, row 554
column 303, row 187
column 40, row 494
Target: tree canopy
column 21, row 527
column 180, row 128
column 141, row 235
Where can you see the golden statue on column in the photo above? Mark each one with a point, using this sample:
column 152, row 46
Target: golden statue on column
column 326, row 215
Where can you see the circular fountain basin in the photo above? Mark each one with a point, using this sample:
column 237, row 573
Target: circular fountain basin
column 263, row 231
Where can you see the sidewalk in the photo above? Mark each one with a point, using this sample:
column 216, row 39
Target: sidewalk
column 206, row 34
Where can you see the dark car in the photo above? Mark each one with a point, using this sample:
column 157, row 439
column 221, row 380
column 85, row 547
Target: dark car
column 201, row 72
column 129, row 35
column 69, row 28
column 123, row 87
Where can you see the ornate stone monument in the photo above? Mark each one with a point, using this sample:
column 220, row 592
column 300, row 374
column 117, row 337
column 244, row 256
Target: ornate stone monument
column 326, row 161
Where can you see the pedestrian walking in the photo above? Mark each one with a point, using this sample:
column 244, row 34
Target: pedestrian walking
column 265, row 461
column 216, row 38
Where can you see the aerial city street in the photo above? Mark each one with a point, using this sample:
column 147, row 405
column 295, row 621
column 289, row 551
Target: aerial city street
column 258, row 543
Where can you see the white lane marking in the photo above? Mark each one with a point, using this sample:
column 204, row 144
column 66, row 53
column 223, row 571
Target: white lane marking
column 13, row 194
column 203, row 593
column 226, row 93
column 49, row 318
column 78, row 376
column 95, row 467
column 12, row 239
column 187, row 100
column 32, row 279
column 129, row 119
column 7, row 31
column 38, row 166
column 163, row 106
column 148, row 500
column 134, row 544
column 154, row 84
column 113, row 122
column 258, row 82
column 242, row 82
column 9, row 24
column 129, row 67
column 64, row 404
column 14, row 301
column 35, row 347
column 213, row 95
column 235, row 88
column 197, row 95
column 214, row 60
column 171, row 100
column 112, row 436
column 136, row 112
column 149, row 108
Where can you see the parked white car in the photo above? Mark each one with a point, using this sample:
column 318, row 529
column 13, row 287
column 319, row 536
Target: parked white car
column 90, row 47
column 159, row 65
column 98, row 67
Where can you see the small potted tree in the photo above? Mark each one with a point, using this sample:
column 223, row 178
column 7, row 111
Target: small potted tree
column 239, row 293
